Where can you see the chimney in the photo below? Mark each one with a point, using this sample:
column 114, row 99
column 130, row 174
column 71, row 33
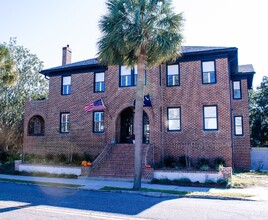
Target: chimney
column 66, row 55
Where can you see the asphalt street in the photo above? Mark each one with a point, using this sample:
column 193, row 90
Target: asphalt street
column 20, row 201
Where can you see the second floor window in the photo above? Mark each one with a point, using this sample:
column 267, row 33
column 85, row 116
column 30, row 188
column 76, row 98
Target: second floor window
column 98, row 122
column 65, row 122
column 66, row 85
column 129, row 76
column 99, row 82
column 210, row 117
column 174, row 119
column 208, row 72
column 126, row 76
column 173, row 78
column 238, row 125
column 237, row 90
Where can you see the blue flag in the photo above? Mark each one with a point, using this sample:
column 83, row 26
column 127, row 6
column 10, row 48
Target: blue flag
column 146, row 101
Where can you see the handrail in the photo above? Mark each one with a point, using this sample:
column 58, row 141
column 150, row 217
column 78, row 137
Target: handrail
column 149, row 161
column 102, row 156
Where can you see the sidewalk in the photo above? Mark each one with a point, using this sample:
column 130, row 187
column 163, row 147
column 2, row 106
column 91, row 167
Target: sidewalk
column 258, row 193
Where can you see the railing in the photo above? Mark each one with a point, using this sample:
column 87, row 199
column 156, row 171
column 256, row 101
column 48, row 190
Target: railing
column 149, row 155
column 102, row 157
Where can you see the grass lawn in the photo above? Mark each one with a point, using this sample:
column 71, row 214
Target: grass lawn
column 184, row 193
column 249, row 179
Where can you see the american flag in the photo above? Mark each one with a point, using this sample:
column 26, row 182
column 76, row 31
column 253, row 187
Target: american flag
column 93, row 106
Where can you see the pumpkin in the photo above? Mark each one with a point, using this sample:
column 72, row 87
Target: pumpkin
column 89, row 164
column 84, row 163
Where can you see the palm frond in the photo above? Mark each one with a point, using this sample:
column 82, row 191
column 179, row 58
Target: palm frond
column 132, row 27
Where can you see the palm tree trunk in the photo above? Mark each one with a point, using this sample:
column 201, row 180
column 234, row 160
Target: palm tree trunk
column 138, row 123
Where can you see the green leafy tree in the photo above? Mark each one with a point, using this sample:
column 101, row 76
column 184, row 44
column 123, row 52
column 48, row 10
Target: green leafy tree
column 30, row 85
column 8, row 73
column 258, row 105
column 143, row 33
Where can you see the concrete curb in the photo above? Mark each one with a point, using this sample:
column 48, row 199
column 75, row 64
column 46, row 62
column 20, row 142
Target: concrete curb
column 149, row 194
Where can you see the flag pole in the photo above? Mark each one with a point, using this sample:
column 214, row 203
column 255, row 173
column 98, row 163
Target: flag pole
column 106, row 108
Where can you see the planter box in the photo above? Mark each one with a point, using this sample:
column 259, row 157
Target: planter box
column 48, row 169
column 194, row 176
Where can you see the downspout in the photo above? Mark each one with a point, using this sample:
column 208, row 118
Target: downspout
column 162, row 112
column 231, row 111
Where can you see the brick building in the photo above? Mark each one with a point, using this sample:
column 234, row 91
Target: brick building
column 199, row 109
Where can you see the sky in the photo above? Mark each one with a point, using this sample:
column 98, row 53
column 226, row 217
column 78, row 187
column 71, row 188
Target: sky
column 45, row 26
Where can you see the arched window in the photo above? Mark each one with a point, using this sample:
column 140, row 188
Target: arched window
column 36, row 126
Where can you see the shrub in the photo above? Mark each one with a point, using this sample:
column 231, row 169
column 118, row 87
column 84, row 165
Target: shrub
column 184, row 161
column 169, row 162
column 33, row 158
column 12, row 156
column 3, row 156
column 61, row 158
column 7, row 168
column 202, row 162
column 225, row 182
column 209, row 182
column 177, row 182
column 157, row 165
column 204, row 168
column 77, row 158
column 88, row 157
column 49, row 158
column 184, row 181
column 219, row 161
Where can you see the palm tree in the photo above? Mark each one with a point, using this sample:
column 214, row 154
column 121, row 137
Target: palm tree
column 143, row 33
column 8, row 74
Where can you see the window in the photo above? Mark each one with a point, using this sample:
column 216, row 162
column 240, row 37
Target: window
column 238, row 125
column 237, row 90
column 98, row 122
column 173, row 78
column 128, row 76
column 99, row 82
column 210, row 120
column 174, row 119
column 36, row 126
column 65, row 122
column 208, row 72
column 66, row 85
column 135, row 74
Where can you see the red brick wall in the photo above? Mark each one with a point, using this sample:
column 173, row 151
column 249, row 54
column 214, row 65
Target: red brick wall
column 192, row 140
column 242, row 143
column 190, row 96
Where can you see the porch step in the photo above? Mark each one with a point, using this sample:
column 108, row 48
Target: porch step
column 120, row 162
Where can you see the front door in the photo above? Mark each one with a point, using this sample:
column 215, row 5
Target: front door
column 127, row 127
